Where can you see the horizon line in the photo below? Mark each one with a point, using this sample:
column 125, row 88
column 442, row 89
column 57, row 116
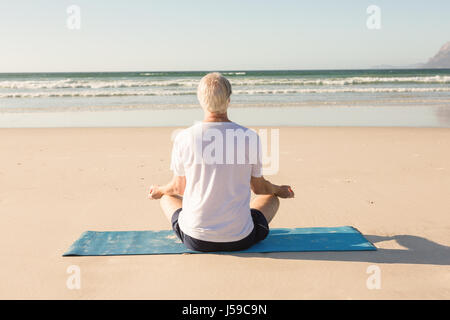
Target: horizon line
column 228, row 70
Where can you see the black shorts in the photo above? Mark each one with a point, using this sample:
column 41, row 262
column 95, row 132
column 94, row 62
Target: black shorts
column 259, row 232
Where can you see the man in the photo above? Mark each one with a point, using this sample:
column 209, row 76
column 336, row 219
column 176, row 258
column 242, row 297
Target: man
column 208, row 199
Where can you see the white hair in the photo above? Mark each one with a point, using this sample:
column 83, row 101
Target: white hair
column 213, row 92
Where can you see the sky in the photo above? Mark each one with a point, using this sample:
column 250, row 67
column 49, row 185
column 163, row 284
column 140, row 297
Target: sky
column 168, row 35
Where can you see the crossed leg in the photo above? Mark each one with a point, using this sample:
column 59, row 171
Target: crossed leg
column 169, row 204
column 267, row 204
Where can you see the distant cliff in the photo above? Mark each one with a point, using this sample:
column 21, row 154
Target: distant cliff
column 441, row 59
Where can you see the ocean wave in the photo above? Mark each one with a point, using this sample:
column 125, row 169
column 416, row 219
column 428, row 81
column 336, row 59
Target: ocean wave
column 192, row 83
column 344, row 81
column 240, row 73
column 94, row 84
column 91, row 94
column 63, row 94
column 153, row 74
column 342, row 90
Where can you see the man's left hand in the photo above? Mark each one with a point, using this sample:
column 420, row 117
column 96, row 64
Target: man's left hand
column 155, row 193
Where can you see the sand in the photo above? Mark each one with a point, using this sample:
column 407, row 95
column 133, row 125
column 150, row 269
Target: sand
column 391, row 183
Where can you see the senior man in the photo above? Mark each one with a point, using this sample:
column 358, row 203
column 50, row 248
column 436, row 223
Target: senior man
column 208, row 199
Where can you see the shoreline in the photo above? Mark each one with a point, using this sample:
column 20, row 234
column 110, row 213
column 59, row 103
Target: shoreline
column 303, row 116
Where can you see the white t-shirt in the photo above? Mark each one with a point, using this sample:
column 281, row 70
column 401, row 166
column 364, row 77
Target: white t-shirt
column 218, row 159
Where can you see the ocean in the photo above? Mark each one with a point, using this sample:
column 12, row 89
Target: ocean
column 311, row 97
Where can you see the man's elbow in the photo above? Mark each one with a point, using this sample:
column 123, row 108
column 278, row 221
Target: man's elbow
column 179, row 188
column 257, row 191
column 260, row 190
column 179, row 191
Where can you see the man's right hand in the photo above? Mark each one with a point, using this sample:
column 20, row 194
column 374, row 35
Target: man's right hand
column 284, row 192
column 260, row 185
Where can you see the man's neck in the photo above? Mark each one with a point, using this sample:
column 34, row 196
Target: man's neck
column 216, row 117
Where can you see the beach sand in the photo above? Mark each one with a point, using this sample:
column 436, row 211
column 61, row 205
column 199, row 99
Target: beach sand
column 390, row 183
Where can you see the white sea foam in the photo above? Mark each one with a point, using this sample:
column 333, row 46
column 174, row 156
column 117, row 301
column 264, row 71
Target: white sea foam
column 124, row 93
column 236, row 82
column 342, row 90
column 87, row 94
column 342, row 81
column 94, row 84
column 240, row 73
column 153, row 74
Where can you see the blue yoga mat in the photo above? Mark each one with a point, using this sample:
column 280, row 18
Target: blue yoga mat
column 110, row 243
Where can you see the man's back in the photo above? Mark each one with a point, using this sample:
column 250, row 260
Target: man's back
column 218, row 160
column 216, row 163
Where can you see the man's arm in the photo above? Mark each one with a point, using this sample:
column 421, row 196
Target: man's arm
column 174, row 187
column 259, row 185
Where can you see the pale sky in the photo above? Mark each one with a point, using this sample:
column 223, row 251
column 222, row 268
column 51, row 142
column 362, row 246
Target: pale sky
column 170, row 35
